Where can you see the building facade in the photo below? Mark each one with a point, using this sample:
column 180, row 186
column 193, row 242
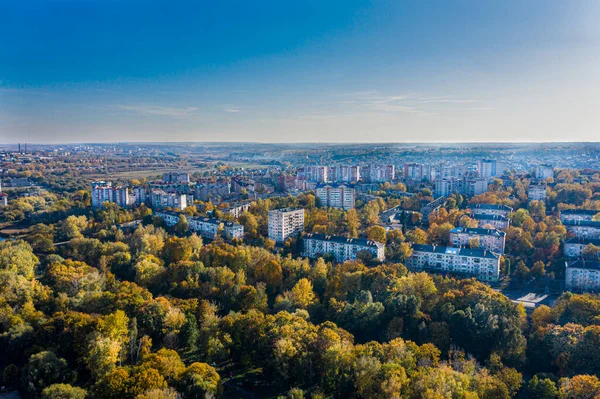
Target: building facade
column 341, row 248
column 544, row 171
column 284, row 223
column 336, row 196
column 105, row 192
column 577, row 215
column 573, row 247
column 160, row 199
column 583, row 228
column 537, row 192
column 582, row 275
column 497, row 221
column 479, row 263
column 487, row 168
column 488, row 239
column 490, row 209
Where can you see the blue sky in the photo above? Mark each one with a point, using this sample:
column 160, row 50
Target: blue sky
column 404, row 70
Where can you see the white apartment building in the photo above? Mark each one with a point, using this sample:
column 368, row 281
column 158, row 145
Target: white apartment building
column 104, row 192
column 336, row 196
column 490, row 209
column 204, row 226
column 582, row 275
column 445, row 187
column 479, row 263
column 583, row 228
column 544, row 171
column 205, row 189
column 489, row 239
column 378, row 173
column 160, row 199
column 475, row 187
column 578, row 215
column 413, row 171
column 176, row 177
column 284, row 223
column 497, row 221
column 487, row 168
column 316, row 173
column 341, row 248
column 237, row 209
column 574, row 246
column 537, row 192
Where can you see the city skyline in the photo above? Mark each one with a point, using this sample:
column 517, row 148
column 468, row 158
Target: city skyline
column 380, row 72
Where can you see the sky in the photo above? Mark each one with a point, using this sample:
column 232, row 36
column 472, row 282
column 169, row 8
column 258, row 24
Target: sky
column 299, row 71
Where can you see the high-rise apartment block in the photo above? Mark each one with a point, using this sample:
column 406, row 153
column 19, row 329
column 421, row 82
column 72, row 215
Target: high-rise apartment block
column 160, row 199
column 487, row 168
column 336, row 196
column 105, row 192
column 544, row 171
column 284, row 223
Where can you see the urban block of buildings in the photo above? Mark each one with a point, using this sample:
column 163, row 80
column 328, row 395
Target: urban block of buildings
column 341, row 248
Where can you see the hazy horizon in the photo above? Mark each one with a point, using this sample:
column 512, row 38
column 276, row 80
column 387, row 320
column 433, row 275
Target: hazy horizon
column 350, row 72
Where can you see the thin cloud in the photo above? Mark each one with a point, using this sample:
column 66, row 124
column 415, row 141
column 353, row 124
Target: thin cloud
column 158, row 110
column 232, row 110
column 407, row 103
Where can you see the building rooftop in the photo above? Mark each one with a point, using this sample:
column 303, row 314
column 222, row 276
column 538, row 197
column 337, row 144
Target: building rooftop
column 489, row 217
column 289, row 209
column 587, row 212
column 492, row 206
column 471, row 252
column 343, row 240
column 583, row 264
column 480, row 231
column 583, row 241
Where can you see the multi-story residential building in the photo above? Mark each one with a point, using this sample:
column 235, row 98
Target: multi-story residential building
column 284, row 223
column 105, row 192
column 582, row 275
column 578, row 215
column 237, row 209
column 336, row 196
column 341, row 248
column 487, row 168
column 490, row 209
column 574, row 246
column 160, row 199
column 479, row 263
column 141, row 195
column 497, row 221
column 206, row 189
column 343, row 174
column 204, row 226
column 3, row 199
column 378, row 173
column 176, row 177
column 537, row 192
column 427, row 208
column 583, row 228
column 239, row 185
column 413, row 171
column 121, row 196
column 544, row 171
column 477, row 186
column 445, row 187
column 489, row 239
column 316, row 173
column 101, row 192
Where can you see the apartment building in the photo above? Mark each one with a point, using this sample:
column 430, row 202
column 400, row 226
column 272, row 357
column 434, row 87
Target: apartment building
column 497, row 221
column 378, row 173
column 284, row 223
column 476, row 186
column 105, row 192
column 204, row 226
column 488, row 239
column 141, row 195
column 490, row 209
column 159, row 199
column 341, row 248
column 537, row 192
column 336, row 196
column 578, row 215
column 343, row 174
column 574, row 246
column 487, row 168
column 544, row 171
column 479, row 263
column 413, row 171
column 316, row 173
column 176, row 177
column 583, row 228
column 206, row 189
column 582, row 275
column 237, row 209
